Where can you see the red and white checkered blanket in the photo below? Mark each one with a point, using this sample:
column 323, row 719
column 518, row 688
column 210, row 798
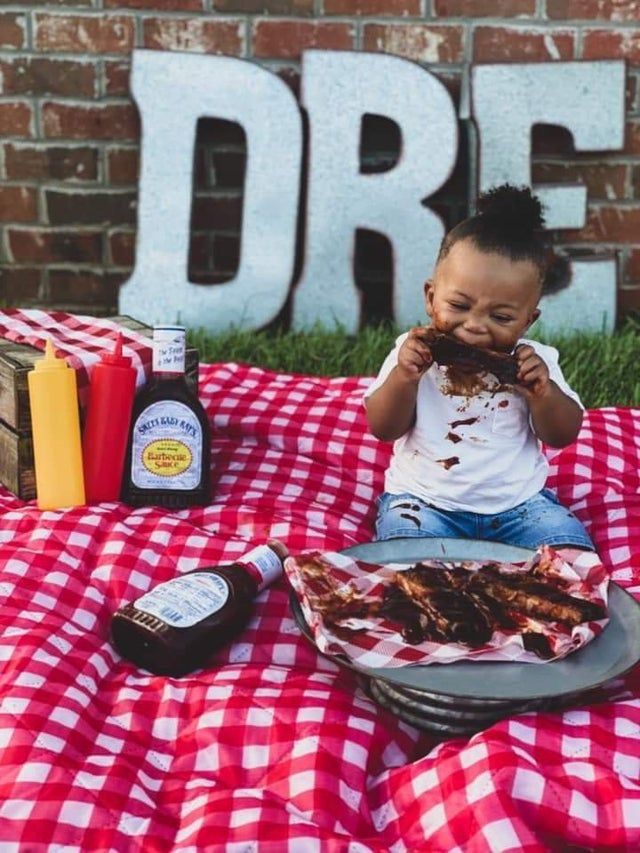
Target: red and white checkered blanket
column 273, row 748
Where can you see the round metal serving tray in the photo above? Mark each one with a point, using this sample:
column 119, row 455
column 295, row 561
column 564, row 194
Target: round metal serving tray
column 465, row 685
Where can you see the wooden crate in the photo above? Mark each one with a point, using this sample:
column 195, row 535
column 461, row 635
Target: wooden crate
column 16, row 448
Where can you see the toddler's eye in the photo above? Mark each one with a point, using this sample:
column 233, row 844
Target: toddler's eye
column 502, row 318
column 459, row 306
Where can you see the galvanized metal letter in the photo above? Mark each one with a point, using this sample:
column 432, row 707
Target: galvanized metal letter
column 174, row 90
column 507, row 100
column 588, row 99
column 338, row 88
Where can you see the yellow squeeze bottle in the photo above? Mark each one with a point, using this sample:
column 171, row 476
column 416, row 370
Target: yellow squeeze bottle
column 55, row 422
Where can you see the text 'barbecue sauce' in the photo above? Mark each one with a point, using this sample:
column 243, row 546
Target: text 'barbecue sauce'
column 176, row 626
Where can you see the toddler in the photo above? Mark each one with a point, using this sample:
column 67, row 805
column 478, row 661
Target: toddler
column 467, row 459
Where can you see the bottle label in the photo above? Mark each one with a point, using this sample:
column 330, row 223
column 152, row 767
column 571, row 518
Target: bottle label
column 263, row 564
column 185, row 601
column 169, row 349
column 166, row 447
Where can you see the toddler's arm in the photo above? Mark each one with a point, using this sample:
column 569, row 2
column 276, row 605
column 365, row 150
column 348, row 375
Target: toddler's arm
column 556, row 417
column 391, row 409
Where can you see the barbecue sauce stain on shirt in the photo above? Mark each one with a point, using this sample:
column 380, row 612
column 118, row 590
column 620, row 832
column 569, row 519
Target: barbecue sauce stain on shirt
column 503, row 404
column 460, row 383
column 464, row 422
column 448, row 463
column 455, row 438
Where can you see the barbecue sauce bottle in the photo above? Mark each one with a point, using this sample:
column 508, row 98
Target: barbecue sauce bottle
column 176, row 626
column 168, row 457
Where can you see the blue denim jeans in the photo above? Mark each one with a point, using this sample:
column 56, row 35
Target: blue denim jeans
column 539, row 520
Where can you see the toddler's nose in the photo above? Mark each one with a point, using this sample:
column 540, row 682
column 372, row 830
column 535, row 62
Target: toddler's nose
column 475, row 326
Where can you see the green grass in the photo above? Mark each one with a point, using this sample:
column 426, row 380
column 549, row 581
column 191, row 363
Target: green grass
column 603, row 370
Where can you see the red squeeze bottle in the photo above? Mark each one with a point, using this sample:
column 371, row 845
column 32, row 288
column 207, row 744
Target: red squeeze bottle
column 106, row 431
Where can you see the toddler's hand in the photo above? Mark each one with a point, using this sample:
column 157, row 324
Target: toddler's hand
column 533, row 373
column 414, row 358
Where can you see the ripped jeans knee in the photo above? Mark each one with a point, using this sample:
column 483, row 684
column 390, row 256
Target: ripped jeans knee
column 402, row 516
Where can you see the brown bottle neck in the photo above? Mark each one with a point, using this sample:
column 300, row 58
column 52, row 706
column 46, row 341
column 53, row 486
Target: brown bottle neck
column 239, row 578
column 167, row 377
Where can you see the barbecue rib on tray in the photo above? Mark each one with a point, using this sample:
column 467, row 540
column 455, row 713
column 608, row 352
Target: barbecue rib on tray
column 450, row 352
column 446, row 603
column 457, row 606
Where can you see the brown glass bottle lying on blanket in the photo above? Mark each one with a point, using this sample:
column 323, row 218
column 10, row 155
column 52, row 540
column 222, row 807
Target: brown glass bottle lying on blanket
column 176, row 626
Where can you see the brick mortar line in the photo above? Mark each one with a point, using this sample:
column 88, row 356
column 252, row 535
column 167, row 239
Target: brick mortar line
column 102, row 162
column 42, row 205
column 471, row 136
column 628, row 182
column 5, row 255
column 29, row 31
column 37, row 116
column 412, row 20
column 517, row 23
column 358, row 38
column 617, row 159
column 83, row 229
column 110, row 228
column 246, row 37
column 65, row 56
column 604, row 250
column 68, row 144
column 95, row 59
column 591, row 158
column 579, row 43
column 632, row 116
column 138, row 32
column 428, row 13
column 267, row 62
column 96, row 266
column 109, row 101
column 65, row 190
column 100, row 81
column 470, row 24
column 273, row 63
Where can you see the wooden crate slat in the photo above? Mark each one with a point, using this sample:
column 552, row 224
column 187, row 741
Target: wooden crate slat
column 16, row 463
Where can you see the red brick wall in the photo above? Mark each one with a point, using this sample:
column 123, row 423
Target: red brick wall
column 69, row 131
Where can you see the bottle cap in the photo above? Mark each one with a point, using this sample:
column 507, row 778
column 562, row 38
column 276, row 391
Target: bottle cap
column 279, row 547
column 168, row 333
column 116, row 358
column 50, row 360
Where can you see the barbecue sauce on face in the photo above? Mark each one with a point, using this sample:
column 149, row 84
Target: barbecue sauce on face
column 176, row 626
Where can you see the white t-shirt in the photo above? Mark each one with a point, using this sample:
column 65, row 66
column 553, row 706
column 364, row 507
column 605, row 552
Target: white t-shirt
column 476, row 453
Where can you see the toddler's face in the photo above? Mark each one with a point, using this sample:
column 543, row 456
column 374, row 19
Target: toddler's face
column 484, row 299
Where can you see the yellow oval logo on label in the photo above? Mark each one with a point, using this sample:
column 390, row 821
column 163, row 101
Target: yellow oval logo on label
column 166, row 457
